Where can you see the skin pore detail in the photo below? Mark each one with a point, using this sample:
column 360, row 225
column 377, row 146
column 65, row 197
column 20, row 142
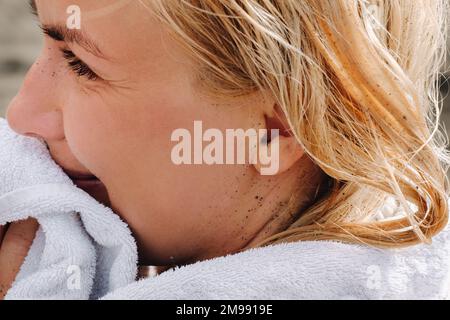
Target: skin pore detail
column 106, row 100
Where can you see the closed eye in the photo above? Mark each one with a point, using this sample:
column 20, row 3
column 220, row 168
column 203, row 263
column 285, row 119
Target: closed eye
column 80, row 68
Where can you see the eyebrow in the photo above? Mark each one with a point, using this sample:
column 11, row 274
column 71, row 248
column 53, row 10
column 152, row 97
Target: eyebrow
column 62, row 34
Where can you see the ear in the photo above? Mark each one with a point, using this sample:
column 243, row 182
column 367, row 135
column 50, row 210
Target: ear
column 287, row 146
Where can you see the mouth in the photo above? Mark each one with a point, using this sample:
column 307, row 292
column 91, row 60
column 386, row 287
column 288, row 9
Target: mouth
column 86, row 182
column 90, row 184
column 80, row 177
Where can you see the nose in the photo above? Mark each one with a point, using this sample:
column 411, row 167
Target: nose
column 35, row 110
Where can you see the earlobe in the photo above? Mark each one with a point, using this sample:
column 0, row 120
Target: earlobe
column 290, row 152
column 282, row 153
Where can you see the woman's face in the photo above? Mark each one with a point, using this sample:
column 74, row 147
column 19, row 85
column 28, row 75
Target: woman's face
column 112, row 116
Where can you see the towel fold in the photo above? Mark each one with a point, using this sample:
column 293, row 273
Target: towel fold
column 82, row 250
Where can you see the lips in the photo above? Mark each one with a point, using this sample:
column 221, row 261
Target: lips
column 84, row 181
column 77, row 176
column 91, row 185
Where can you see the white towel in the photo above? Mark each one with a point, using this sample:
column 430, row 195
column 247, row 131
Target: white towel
column 307, row 270
column 74, row 256
column 100, row 246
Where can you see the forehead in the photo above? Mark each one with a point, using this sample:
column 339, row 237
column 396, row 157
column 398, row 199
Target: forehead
column 106, row 20
column 90, row 9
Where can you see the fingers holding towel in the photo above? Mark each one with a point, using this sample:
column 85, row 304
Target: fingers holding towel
column 15, row 242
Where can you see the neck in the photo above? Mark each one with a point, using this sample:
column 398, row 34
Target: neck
column 297, row 191
column 270, row 207
column 279, row 201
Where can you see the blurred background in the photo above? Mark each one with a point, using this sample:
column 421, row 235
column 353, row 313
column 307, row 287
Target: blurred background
column 20, row 43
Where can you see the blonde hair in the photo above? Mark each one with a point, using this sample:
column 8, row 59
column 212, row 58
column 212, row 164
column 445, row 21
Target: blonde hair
column 356, row 80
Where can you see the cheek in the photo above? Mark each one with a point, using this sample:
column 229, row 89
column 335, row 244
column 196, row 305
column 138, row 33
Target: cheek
column 127, row 142
column 86, row 133
column 114, row 136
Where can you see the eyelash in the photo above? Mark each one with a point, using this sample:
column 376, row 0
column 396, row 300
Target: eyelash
column 80, row 68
